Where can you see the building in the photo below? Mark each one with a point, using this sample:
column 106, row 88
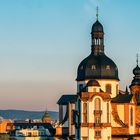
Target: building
column 5, row 126
column 46, row 118
column 31, row 129
column 100, row 110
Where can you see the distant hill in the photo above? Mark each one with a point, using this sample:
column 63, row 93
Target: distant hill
column 22, row 114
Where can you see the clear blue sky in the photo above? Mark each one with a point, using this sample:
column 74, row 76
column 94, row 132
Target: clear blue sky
column 43, row 41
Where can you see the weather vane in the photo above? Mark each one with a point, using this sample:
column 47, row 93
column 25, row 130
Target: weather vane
column 97, row 12
column 137, row 59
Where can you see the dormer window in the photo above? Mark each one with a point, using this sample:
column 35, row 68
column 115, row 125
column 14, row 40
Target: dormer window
column 93, row 67
column 107, row 67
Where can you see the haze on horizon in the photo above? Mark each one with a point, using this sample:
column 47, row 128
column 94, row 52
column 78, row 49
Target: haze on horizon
column 42, row 43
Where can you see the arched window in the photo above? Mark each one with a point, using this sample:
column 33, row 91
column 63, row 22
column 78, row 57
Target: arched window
column 93, row 67
column 84, row 112
column 97, row 104
column 107, row 112
column 116, row 89
column 131, row 116
column 108, row 88
column 95, row 41
column 99, row 42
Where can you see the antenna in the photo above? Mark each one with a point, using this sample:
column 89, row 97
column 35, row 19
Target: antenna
column 97, row 12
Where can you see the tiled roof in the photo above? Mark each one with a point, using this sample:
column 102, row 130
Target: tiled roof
column 65, row 99
column 122, row 98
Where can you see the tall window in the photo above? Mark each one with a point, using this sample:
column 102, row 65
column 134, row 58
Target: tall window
column 80, row 87
column 84, row 112
column 93, row 67
column 131, row 116
column 98, row 120
column 116, row 89
column 107, row 112
column 94, row 89
column 108, row 88
column 98, row 133
column 97, row 104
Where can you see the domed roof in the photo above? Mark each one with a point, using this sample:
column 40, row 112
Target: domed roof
column 136, row 78
column 97, row 67
column 93, row 82
column 46, row 118
column 136, row 70
column 97, row 27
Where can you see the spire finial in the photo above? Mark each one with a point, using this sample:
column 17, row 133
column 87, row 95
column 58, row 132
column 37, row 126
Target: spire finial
column 97, row 12
column 126, row 91
column 137, row 60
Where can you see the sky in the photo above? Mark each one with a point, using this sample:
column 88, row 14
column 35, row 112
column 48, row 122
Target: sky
column 42, row 43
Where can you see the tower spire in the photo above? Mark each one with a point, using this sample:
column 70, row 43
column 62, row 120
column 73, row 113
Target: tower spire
column 97, row 12
column 137, row 59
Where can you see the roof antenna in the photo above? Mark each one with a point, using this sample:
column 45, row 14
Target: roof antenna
column 137, row 60
column 97, row 12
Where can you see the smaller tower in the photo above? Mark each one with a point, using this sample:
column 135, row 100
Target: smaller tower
column 46, row 118
column 135, row 84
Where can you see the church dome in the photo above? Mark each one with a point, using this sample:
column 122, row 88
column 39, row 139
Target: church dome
column 97, row 27
column 136, row 70
column 97, row 67
column 136, row 78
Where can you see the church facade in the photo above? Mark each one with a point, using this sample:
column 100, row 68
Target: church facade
column 100, row 110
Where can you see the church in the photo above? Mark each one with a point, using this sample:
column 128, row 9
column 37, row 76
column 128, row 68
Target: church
column 100, row 110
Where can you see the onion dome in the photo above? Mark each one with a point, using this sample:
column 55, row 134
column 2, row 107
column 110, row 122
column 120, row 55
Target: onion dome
column 97, row 27
column 136, row 78
column 93, row 82
column 136, row 70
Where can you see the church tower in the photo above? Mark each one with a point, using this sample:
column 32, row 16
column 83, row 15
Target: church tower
column 97, row 82
column 135, row 84
column 97, row 65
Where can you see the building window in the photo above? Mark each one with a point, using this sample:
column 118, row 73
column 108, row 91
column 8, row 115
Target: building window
column 107, row 112
column 94, row 89
column 107, row 67
column 97, row 133
column 93, row 67
column 97, row 104
column 84, row 112
column 108, row 88
column 116, row 89
column 95, row 41
column 98, row 120
column 80, row 87
column 131, row 116
column 85, row 138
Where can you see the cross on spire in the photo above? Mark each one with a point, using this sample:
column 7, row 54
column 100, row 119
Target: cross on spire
column 97, row 12
column 137, row 60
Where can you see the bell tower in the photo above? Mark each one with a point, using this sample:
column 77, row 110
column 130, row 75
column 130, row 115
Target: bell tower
column 97, row 36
